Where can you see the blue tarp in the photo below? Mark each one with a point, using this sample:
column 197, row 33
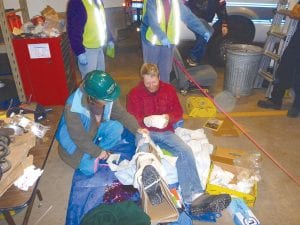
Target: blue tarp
column 87, row 191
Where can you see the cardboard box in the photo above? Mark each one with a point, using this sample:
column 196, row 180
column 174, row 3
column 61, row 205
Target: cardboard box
column 15, row 174
column 164, row 212
column 226, row 155
column 241, row 214
column 18, row 158
column 239, row 219
column 216, row 189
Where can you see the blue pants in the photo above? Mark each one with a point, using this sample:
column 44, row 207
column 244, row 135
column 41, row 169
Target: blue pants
column 96, row 61
column 108, row 135
column 188, row 177
column 197, row 52
column 162, row 56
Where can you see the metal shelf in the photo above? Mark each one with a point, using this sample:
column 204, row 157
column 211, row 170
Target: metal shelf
column 7, row 46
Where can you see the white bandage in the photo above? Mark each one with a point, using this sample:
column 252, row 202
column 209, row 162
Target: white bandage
column 158, row 121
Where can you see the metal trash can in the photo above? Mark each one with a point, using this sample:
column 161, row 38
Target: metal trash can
column 242, row 63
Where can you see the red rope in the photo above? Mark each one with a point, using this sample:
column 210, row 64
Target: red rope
column 189, row 76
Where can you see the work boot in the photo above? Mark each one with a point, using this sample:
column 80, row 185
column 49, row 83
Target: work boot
column 151, row 182
column 191, row 87
column 293, row 112
column 269, row 104
column 210, row 203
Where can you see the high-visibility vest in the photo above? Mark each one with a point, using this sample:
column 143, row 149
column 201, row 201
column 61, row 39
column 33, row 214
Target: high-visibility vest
column 172, row 29
column 94, row 35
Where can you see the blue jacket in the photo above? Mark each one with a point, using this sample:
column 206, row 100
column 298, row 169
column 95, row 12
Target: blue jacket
column 78, row 129
column 62, row 134
column 207, row 9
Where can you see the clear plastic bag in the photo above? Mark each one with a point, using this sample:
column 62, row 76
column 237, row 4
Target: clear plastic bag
column 21, row 124
column 248, row 167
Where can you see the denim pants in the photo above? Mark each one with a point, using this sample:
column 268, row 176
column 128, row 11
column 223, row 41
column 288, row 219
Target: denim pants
column 96, row 61
column 198, row 50
column 188, row 177
column 160, row 55
column 108, row 135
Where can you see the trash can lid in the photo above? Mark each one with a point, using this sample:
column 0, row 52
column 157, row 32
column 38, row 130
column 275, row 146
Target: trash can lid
column 244, row 49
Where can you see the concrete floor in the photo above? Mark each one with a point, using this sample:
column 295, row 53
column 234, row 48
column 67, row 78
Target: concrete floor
column 278, row 195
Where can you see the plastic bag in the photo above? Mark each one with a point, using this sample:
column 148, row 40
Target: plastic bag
column 248, row 166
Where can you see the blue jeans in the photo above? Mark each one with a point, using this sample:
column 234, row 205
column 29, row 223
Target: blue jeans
column 160, row 55
column 188, row 177
column 198, row 50
column 95, row 58
column 108, row 135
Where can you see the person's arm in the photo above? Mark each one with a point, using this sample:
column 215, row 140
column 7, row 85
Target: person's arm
column 82, row 139
column 135, row 107
column 119, row 113
column 151, row 14
column 222, row 15
column 221, row 11
column 109, row 33
column 76, row 19
column 197, row 25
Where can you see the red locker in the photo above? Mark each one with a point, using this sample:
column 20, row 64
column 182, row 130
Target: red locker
column 47, row 69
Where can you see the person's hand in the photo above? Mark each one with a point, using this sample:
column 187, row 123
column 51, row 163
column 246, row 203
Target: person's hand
column 224, row 29
column 143, row 131
column 111, row 44
column 167, row 117
column 82, row 58
column 166, row 42
column 103, row 155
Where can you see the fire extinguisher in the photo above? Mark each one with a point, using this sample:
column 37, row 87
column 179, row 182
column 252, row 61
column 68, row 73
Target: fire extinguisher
column 14, row 21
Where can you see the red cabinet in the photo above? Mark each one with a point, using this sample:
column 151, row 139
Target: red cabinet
column 47, row 69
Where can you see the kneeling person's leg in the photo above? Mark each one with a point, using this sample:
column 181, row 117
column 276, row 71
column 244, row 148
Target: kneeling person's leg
column 109, row 134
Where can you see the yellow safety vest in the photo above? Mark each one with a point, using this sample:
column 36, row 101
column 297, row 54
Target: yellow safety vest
column 172, row 29
column 94, row 35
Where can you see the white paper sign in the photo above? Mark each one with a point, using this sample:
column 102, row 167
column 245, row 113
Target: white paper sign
column 38, row 51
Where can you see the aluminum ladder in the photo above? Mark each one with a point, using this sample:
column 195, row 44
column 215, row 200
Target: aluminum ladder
column 282, row 29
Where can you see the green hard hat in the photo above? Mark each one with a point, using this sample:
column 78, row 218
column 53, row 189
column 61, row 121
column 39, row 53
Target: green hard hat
column 101, row 86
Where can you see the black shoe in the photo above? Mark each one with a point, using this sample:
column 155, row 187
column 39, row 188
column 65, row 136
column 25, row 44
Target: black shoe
column 268, row 104
column 191, row 62
column 210, row 203
column 193, row 88
column 293, row 112
column 183, row 92
column 151, row 183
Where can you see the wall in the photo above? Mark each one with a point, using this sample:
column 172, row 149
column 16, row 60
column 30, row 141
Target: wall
column 115, row 12
column 36, row 6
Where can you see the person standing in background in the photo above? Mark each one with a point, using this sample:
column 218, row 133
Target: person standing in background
column 87, row 32
column 287, row 76
column 160, row 31
column 206, row 9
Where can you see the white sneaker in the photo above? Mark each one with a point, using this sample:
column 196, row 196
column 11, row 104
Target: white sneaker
column 1, row 84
